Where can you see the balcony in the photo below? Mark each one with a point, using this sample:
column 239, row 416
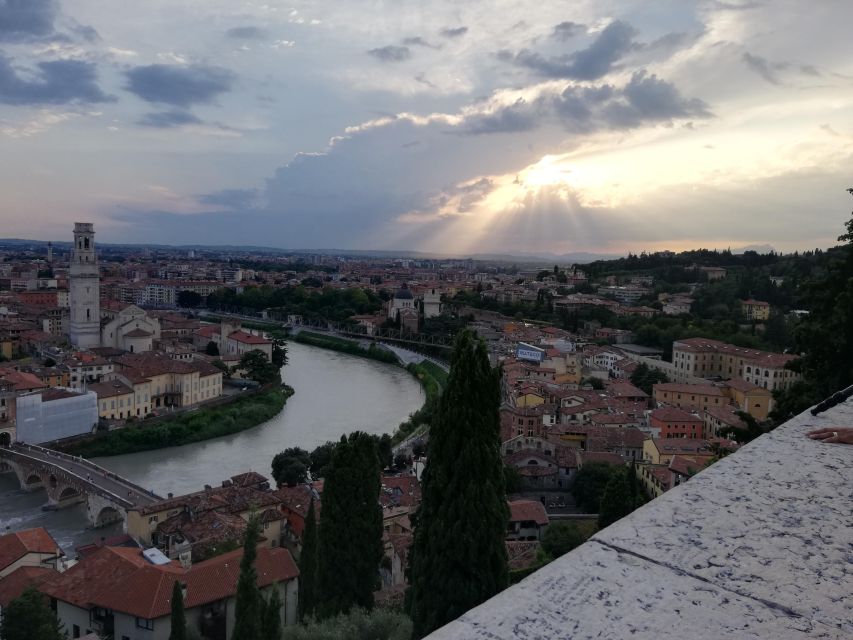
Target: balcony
column 760, row 545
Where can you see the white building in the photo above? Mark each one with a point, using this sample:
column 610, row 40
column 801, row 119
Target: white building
column 131, row 329
column 432, row 302
column 53, row 414
column 84, row 289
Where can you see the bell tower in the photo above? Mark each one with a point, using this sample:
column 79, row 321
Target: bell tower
column 84, row 289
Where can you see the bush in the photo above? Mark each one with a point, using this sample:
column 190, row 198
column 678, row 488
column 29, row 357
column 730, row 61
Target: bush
column 561, row 537
column 379, row 624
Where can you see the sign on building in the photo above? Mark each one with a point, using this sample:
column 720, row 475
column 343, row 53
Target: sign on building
column 528, row 352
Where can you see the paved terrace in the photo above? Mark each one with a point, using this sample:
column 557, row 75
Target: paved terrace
column 760, row 545
column 89, row 473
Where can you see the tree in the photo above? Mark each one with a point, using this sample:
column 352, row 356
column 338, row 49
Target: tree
column 350, row 539
column 248, row 606
column 308, row 562
column 28, row 617
column 384, row 450
column 258, row 367
column 212, row 349
column 825, row 336
column 646, row 378
column 271, row 621
column 290, row 467
column 279, row 353
column 179, row 620
column 458, row 557
column 189, row 299
column 561, row 537
column 616, row 500
column 512, row 479
column 321, row 458
column 589, row 484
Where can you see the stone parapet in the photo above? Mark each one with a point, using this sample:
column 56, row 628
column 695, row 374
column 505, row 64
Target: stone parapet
column 760, row 545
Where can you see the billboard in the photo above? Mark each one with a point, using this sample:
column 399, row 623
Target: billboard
column 524, row 351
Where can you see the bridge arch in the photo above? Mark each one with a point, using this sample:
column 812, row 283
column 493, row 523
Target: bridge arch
column 32, row 478
column 68, row 492
column 107, row 515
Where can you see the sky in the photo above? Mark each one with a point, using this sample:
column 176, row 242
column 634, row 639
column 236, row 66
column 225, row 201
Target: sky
column 454, row 127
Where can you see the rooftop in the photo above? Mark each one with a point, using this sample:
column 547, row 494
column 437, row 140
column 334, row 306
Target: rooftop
column 755, row 546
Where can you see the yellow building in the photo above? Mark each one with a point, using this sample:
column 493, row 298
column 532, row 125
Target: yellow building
column 755, row 309
column 663, row 450
column 689, row 396
column 751, row 398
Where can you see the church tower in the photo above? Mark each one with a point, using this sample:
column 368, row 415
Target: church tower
column 84, row 289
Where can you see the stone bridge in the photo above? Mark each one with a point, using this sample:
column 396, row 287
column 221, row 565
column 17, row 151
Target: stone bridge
column 70, row 480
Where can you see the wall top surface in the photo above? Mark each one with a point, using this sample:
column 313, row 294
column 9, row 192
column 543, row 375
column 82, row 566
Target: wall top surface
column 758, row 545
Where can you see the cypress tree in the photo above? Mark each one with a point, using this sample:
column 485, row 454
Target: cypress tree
column 616, row 499
column 350, row 539
column 308, row 566
column 458, row 558
column 179, row 620
column 248, row 607
column 271, row 621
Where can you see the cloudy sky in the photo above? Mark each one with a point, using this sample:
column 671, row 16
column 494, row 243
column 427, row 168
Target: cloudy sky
column 447, row 126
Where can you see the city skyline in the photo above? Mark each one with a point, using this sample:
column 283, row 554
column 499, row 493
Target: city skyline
column 457, row 129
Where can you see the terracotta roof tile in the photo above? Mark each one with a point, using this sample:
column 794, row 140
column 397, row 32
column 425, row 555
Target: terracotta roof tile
column 14, row 546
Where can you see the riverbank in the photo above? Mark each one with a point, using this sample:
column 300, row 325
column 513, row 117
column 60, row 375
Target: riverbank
column 345, row 346
column 433, row 380
column 205, row 423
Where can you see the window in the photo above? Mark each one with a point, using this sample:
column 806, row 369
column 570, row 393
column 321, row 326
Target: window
column 75, row 631
column 142, row 623
column 152, row 519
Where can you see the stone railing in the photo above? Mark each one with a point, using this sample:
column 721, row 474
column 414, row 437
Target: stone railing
column 759, row 545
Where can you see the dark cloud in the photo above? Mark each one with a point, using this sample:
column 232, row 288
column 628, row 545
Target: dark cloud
column 246, row 33
column 567, row 30
column 598, row 59
column 417, row 41
column 23, row 20
column 56, row 82
column 645, row 99
column 89, row 34
column 231, row 198
column 454, row 32
column 760, row 66
column 168, row 119
column 177, row 85
column 520, row 116
column 391, row 53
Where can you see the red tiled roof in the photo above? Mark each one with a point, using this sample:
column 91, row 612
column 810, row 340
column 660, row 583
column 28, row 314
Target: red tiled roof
column 247, row 338
column 14, row 584
column 599, row 456
column 121, row 579
column 14, row 546
column 523, row 510
column 672, row 414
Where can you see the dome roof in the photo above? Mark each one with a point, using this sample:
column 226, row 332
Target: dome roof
column 404, row 293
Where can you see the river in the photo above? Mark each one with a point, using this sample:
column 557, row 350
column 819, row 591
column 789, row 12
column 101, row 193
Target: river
column 336, row 393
